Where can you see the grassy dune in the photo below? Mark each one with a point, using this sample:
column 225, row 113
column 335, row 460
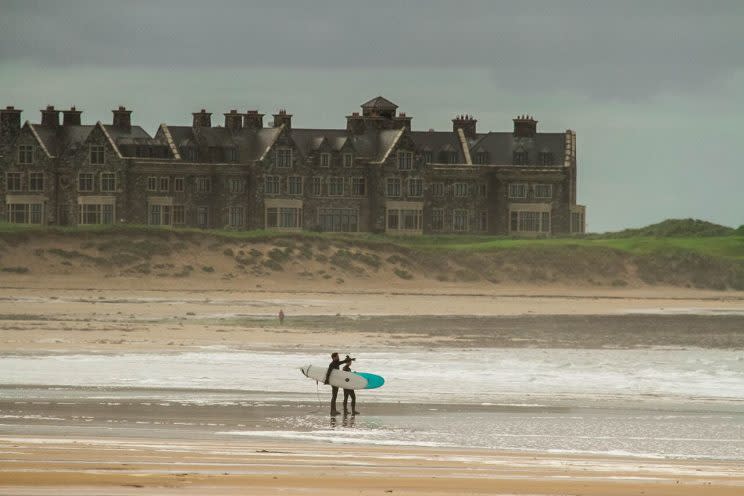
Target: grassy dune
column 685, row 253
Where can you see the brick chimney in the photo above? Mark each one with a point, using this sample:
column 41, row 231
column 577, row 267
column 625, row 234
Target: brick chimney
column 122, row 118
column 50, row 117
column 71, row 117
column 525, row 126
column 252, row 119
column 355, row 123
column 233, row 121
column 402, row 121
column 283, row 118
column 10, row 122
column 202, row 119
column 466, row 123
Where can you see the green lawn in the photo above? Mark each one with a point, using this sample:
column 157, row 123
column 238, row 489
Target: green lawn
column 729, row 246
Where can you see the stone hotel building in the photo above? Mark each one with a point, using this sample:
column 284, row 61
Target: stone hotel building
column 374, row 175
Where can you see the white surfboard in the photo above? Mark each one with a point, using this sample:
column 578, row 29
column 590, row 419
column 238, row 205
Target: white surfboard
column 339, row 378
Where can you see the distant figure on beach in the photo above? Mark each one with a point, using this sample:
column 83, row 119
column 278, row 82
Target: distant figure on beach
column 334, row 365
column 281, row 316
column 349, row 393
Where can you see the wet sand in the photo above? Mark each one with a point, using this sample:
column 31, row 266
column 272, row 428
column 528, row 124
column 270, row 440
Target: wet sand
column 119, row 320
column 72, row 466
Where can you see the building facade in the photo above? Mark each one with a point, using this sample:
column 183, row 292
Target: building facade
column 375, row 175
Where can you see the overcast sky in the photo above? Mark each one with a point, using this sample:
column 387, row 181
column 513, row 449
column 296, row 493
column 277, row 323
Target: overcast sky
column 654, row 90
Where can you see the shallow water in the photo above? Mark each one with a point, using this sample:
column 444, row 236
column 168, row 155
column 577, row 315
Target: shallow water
column 664, row 403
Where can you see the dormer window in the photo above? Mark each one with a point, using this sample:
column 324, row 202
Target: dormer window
column 546, row 158
column 97, row 155
column 284, row 157
column 25, row 154
column 348, row 160
column 481, row 158
column 190, row 153
column 325, row 159
column 232, row 154
column 405, row 160
column 428, row 158
column 520, row 157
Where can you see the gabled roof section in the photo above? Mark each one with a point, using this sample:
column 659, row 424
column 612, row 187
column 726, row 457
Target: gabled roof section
column 388, row 140
column 169, row 141
column 379, row 102
column 41, row 143
column 270, row 140
column 100, row 126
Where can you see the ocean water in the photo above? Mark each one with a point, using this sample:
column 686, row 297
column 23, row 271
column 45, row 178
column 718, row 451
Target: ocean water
column 664, row 403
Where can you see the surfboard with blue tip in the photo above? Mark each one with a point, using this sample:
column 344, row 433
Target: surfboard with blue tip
column 373, row 380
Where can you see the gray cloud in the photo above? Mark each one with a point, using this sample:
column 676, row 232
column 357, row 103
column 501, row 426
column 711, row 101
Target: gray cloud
column 622, row 50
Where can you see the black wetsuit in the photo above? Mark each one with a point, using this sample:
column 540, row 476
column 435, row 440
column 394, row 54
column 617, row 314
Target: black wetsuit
column 349, row 393
column 335, row 365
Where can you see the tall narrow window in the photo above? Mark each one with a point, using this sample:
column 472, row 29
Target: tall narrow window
column 546, row 158
column 335, row 186
column 85, row 181
column 461, row 189
column 97, row 155
column 348, row 160
column 108, row 182
column 460, row 220
column 203, row 184
column 36, row 181
column 358, row 186
column 25, row 154
column 235, row 185
column 543, row 191
column 437, row 219
column 164, row 184
column 392, row 187
column 405, row 160
column 235, row 217
column 317, row 185
column 178, row 185
column 437, row 189
column 284, row 157
column 325, row 159
column 415, row 187
column 152, row 183
column 294, row 185
column 13, row 181
column 271, row 184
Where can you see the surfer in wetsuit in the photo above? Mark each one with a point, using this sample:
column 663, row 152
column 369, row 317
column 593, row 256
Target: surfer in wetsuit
column 334, row 365
column 349, row 393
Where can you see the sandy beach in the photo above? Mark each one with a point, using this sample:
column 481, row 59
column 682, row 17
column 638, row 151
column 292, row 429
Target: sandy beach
column 141, row 466
column 186, row 421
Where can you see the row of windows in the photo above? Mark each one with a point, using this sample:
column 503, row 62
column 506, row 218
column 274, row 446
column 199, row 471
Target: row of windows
column 331, row 186
column 416, row 188
column 26, row 154
column 521, row 157
column 108, row 182
column 520, row 191
column 324, row 160
column 461, row 220
column 14, row 181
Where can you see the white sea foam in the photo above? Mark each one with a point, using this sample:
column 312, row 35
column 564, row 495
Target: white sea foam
column 484, row 376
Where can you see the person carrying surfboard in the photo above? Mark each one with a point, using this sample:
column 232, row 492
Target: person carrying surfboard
column 349, row 393
column 334, row 365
